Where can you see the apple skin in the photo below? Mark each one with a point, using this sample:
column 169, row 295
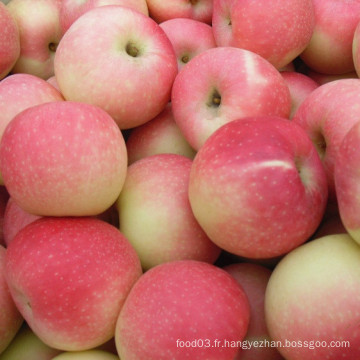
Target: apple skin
column 155, row 213
column 40, row 32
column 330, row 48
column 86, row 355
column 200, row 10
column 181, row 32
column 326, row 115
column 69, row 278
column 4, row 198
column 71, row 10
column 313, row 295
column 19, row 92
column 27, row 346
column 120, row 60
column 9, row 41
column 277, row 32
column 73, row 164
column 325, row 78
column 182, row 301
column 253, row 279
column 300, row 86
column 206, row 95
column 258, row 187
column 158, row 136
column 346, row 177
column 10, row 318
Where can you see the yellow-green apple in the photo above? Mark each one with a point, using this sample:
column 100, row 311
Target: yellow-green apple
column 253, row 279
column 183, row 310
column 69, row 278
column 27, row 346
column 9, row 41
column 155, row 213
column 258, row 187
column 326, row 115
column 346, row 178
column 10, row 317
column 312, row 300
column 40, row 33
column 277, row 31
column 300, row 86
column 181, row 32
column 71, row 10
column 330, row 48
column 158, row 136
column 19, row 92
column 207, row 95
column 63, row 159
column 86, row 355
column 128, row 70
column 200, row 10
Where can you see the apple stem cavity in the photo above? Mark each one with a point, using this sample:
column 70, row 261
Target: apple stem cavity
column 215, row 99
column 320, row 144
column 132, row 50
column 185, row 59
column 53, row 46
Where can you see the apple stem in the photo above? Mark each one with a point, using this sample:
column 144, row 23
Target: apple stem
column 53, row 47
column 215, row 99
column 132, row 50
column 185, row 59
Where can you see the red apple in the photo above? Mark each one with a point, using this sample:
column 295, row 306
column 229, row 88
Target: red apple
column 277, row 31
column 63, row 159
column 258, row 187
column 325, row 78
column 69, row 278
column 120, row 60
column 183, row 310
column 4, row 198
column 9, row 41
column 224, row 84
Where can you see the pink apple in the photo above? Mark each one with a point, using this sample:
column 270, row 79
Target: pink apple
column 69, row 277
column 71, row 10
column 63, row 159
column 183, row 310
column 224, row 84
column 253, row 279
column 52, row 81
column 86, row 355
column 10, row 318
column 278, row 32
column 4, row 198
column 19, row 92
column 258, row 187
column 300, row 86
column 312, row 300
column 40, row 33
column 155, row 213
column 326, row 115
column 158, row 136
column 330, row 48
column 181, row 32
column 200, row 10
column 325, row 78
column 9, row 41
column 120, row 60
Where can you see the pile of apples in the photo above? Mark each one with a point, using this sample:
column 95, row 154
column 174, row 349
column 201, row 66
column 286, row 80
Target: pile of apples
column 179, row 179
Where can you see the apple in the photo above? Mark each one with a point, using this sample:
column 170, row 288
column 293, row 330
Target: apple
column 330, row 48
column 86, row 355
column 40, row 33
column 120, row 60
column 325, row 78
column 63, row 159
column 253, row 279
column 224, row 84
column 200, row 10
column 346, row 177
column 71, row 10
column 10, row 317
column 326, row 115
column 4, row 198
column 9, row 41
column 52, row 81
column 158, row 136
column 27, row 346
column 278, row 32
column 155, row 213
column 69, row 278
column 312, row 300
column 181, row 32
column 258, row 187
column 300, row 86
column 19, row 92
column 183, row 310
